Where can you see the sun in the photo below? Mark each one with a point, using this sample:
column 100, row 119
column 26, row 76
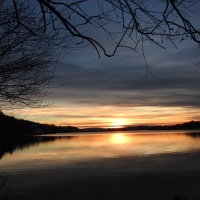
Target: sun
column 118, row 123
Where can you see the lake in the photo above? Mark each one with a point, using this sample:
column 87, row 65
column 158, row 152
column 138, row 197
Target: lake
column 139, row 165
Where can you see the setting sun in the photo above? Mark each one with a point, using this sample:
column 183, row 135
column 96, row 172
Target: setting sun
column 118, row 123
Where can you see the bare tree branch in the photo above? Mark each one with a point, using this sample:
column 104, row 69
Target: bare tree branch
column 28, row 57
column 30, row 30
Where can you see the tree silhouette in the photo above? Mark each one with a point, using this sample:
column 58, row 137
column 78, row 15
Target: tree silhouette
column 27, row 57
column 135, row 20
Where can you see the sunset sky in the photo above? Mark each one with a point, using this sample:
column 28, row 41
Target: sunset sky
column 113, row 92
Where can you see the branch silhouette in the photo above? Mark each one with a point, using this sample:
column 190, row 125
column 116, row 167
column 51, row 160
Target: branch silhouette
column 36, row 33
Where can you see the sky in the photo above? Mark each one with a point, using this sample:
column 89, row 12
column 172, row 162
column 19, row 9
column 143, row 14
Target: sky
column 114, row 92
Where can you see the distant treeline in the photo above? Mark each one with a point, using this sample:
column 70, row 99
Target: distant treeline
column 184, row 126
column 12, row 126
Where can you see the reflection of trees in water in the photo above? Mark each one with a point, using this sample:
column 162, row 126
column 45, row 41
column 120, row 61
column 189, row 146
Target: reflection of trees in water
column 5, row 191
column 193, row 134
column 178, row 197
column 9, row 145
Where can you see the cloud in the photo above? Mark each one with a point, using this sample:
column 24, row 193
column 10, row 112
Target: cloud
column 123, row 83
column 95, row 91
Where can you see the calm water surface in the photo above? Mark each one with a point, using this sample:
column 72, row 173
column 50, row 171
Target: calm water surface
column 120, row 165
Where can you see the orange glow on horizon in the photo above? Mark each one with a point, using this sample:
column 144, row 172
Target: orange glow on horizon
column 118, row 123
column 107, row 116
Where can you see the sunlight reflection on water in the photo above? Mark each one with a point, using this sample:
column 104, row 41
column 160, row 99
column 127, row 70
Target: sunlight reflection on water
column 108, row 157
column 67, row 150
